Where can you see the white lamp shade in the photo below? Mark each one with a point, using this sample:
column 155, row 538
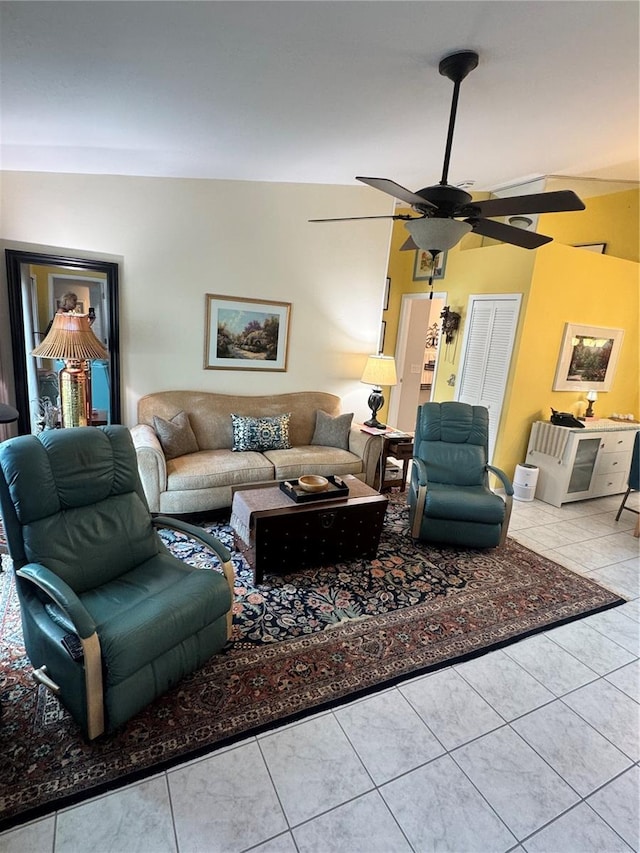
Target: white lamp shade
column 380, row 370
column 437, row 235
column 592, row 396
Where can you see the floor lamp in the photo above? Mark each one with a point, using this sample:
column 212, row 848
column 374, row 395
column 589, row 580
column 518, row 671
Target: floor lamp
column 72, row 340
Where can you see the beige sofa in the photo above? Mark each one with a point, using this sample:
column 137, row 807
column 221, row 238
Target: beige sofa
column 202, row 480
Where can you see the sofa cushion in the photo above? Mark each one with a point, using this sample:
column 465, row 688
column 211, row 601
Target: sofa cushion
column 332, row 432
column 213, row 468
column 290, row 464
column 260, row 434
column 176, row 436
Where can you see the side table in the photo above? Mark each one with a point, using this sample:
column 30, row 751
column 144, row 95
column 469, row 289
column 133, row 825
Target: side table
column 401, row 450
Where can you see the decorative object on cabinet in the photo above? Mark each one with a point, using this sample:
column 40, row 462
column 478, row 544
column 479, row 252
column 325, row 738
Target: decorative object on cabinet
column 633, row 483
column 588, row 357
column 72, row 340
column 426, row 267
column 379, row 371
column 578, row 464
column 245, row 334
column 592, row 396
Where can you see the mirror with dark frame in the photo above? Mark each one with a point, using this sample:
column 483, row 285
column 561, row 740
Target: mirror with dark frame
column 37, row 284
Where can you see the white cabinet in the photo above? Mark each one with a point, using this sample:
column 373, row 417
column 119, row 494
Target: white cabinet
column 577, row 464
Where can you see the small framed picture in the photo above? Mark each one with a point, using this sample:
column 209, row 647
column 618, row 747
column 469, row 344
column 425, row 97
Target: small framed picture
column 387, row 288
column 383, row 331
column 424, row 268
column 599, row 248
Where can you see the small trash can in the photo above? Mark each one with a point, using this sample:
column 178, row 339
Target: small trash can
column 525, row 481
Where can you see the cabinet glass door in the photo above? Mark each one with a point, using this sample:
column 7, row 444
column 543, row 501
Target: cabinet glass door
column 584, row 463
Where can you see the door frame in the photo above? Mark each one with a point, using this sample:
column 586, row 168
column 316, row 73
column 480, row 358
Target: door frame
column 401, row 348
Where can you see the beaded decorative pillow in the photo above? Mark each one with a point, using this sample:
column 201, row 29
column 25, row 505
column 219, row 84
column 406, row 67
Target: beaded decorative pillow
column 270, row 433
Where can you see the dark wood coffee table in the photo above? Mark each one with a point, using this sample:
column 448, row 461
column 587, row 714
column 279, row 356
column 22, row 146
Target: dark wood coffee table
column 275, row 534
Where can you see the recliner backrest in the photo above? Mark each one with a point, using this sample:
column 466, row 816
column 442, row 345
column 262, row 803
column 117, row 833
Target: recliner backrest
column 74, row 499
column 452, row 440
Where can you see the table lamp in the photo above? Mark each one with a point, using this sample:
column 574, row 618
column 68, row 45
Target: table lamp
column 72, row 340
column 592, row 396
column 380, row 370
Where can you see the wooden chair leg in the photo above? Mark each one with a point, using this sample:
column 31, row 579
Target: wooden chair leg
column 624, row 500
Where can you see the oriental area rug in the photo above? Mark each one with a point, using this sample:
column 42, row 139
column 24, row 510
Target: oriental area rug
column 301, row 642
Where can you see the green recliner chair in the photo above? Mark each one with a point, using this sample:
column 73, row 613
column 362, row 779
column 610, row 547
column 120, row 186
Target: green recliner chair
column 111, row 619
column 449, row 498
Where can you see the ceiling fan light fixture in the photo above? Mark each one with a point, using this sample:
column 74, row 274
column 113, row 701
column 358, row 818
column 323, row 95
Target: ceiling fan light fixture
column 523, row 222
column 437, row 235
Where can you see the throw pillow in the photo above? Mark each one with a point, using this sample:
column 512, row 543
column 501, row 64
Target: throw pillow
column 332, row 432
column 271, row 433
column 175, row 436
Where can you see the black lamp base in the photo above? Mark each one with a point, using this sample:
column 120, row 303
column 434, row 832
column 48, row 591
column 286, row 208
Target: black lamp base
column 375, row 403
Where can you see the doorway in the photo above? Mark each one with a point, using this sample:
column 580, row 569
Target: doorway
column 416, row 357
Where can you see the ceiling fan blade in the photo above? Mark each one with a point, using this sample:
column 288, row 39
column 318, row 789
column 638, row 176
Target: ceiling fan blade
column 408, row 245
column 401, row 193
column 555, row 202
column 350, row 218
column 508, row 234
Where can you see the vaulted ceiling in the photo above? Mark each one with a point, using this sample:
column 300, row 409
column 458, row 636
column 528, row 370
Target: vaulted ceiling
column 320, row 92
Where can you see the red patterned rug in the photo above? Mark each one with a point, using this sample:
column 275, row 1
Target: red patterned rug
column 302, row 642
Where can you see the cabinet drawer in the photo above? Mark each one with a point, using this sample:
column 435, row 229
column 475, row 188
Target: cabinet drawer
column 613, row 463
column 608, row 484
column 618, row 441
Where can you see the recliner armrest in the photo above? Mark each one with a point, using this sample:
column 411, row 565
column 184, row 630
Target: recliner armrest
column 211, row 542
column 223, row 554
column 152, row 465
column 421, row 470
column 62, row 594
column 506, row 482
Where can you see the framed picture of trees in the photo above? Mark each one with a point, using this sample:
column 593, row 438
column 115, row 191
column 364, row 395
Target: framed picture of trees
column 588, row 358
column 245, row 334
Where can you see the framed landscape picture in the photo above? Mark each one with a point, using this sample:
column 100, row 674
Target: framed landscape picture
column 588, row 358
column 423, row 265
column 245, row 334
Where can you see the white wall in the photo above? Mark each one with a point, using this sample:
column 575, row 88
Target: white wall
column 180, row 239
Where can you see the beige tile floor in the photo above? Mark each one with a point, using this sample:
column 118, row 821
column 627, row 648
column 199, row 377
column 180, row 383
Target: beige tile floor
column 530, row 748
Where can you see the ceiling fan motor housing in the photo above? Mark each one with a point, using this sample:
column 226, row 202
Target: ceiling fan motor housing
column 449, row 200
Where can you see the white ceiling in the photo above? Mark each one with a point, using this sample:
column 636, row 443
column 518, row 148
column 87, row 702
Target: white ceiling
column 320, row 92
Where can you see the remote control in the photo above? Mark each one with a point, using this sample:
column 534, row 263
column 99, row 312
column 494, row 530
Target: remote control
column 72, row 644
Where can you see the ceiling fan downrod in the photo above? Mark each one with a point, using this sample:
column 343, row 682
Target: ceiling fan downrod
column 456, row 66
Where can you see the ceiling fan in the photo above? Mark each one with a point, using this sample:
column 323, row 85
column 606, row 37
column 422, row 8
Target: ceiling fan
column 447, row 212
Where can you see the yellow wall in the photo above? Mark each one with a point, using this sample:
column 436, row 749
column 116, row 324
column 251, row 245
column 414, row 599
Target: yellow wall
column 559, row 284
column 571, row 286
column 612, row 219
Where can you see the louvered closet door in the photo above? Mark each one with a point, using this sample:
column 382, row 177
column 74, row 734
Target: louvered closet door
column 486, row 354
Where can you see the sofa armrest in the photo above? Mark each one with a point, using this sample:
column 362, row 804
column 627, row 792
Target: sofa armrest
column 152, row 464
column 369, row 448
